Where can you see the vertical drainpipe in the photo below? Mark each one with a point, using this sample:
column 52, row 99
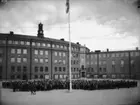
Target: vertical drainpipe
column 98, row 64
column 129, row 65
column 31, row 59
column 51, row 62
column 6, row 56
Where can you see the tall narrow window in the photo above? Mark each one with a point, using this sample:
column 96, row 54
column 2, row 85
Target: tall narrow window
column 46, row 69
column 41, row 69
column 19, row 69
column 36, row 69
column 13, row 51
column 24, row 51
column 18, row 51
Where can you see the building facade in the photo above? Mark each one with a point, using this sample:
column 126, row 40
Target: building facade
column 36, row 57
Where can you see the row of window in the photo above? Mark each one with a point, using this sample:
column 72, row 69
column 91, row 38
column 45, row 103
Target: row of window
column 41, row 69
column 60, row 54
column 113, row 62
column 41, row 60
column 61, row 76
column 115, row 55
column 13, row 76
column 18, row 51
column 18, row 68
column 40, row 52
column 18, row 60
column 38, row 44
column 60, row 61
column 18, row 42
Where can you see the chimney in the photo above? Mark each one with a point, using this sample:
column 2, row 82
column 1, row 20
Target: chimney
column 97, row 51
column 62, row 39
column 137, row 48
column 77, row 43
column 107, row 50
column 11, row 33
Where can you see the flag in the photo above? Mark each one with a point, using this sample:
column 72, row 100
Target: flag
column 67, row 6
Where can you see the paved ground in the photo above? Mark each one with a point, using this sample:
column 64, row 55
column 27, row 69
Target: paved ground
column 129, row 96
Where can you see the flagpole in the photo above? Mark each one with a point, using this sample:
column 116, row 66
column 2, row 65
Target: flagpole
column 70, row 84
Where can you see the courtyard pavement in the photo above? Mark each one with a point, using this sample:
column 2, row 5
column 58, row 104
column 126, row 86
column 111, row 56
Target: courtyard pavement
column 125, row 96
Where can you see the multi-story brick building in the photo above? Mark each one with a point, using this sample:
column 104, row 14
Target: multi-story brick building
column 36, row 57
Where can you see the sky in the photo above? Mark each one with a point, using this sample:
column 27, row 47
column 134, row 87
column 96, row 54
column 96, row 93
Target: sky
column 97, row 24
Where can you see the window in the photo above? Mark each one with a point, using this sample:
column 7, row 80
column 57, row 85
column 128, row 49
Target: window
column 18, row 76
column 100, row 55
column 108, row 55
column 100, row 62
column 46, row 52
column 41, row 52
column 100, row 69
column 104, row 55
column 53, row 45
column 38, row 44
column 43, row 44
column 104, row 62
column 64, row 62
column 36, row 52
column 55, row 53
column 55, row 69
column 16, row 42
column 64, row 69
column 48, row 45
column 104, row 69
column 1, row 51
column 18, row 51
column 113, row 54
column 19, row 60
column 46, row 69
column 132, row 62
column 122, row 54
column 41, row 76
column 0, row 60
column 113, row 62
column 36, row 69
column 122, row 63
column 60, row 61
column 60, row 76
column 57, row 46
column 131, row 54
column 95, row 63
column 60, row 53
column 24, row 51
column 33, row 43
column 41, row 69
column 0, row 69
column 13, row 51
column 55, row 61
column 117, row 54
column 41, row 60
column 24, row 59
column 36, row 76
column 24, row 69
column 92, row 70
column 60, row 69
column 22, row 42
column 36, row 60
column 12, row 77
column 56, row 76
column 61, row 46
column 19, row 69
column 9, row 42
column 74, row 69
column 126, row 54
column 27, row 43
column 12, row 60
column 64, row 54
column 65, row 47
column 46, row 60
column 95, row 55
column 137, row 53
column 12, row 68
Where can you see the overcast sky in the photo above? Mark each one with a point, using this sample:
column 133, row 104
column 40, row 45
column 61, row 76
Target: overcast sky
column 99, row 24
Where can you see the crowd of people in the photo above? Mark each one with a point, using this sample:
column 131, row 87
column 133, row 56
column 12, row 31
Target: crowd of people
column 44, row 85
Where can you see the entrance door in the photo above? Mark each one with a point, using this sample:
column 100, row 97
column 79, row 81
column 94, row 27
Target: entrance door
column 24, row 77
column 83, row 74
